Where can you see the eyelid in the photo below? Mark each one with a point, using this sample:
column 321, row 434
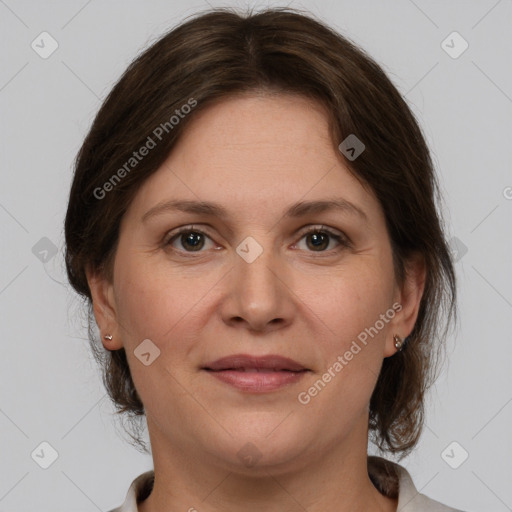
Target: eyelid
column 320, row 227
column 174, row 233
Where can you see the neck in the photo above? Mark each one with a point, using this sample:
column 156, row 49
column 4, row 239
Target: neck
column 336, row 481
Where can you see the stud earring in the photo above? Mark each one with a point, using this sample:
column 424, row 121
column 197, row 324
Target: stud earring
column 108, row 337
column 399, row 342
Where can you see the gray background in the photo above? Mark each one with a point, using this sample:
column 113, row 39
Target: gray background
column 50, row 388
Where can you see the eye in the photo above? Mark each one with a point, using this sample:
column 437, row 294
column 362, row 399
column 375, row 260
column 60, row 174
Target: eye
column 190, row 239
column 318, row 239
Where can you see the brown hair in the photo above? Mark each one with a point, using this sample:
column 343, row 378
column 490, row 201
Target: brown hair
column 221, row 53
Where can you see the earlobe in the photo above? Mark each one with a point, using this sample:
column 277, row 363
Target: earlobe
column 104, row 309
column 410, row 293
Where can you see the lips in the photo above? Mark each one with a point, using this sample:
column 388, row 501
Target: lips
column 248, row 363
column 256, row 375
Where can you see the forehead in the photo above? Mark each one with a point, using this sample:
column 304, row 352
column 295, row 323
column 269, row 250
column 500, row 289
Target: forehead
column 255, row 151
column 254, row 118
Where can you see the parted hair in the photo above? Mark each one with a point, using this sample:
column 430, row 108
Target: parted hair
column 223, row 52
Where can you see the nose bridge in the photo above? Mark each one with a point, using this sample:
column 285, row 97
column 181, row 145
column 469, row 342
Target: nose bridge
column 256, row 264
column 257, row 291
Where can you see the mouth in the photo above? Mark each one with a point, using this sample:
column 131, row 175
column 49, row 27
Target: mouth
column 263, row 370
column 256, row 374
column 248, row 363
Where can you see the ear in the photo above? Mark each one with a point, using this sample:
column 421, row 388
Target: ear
column 102, row 292
column 408, row 296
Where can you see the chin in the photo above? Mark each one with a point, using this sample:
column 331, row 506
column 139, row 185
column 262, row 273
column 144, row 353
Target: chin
column 258, row 446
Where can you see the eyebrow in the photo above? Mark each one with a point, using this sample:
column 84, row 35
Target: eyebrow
column 297, row 210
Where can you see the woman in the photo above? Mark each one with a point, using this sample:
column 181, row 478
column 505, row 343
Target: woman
column 253, row 223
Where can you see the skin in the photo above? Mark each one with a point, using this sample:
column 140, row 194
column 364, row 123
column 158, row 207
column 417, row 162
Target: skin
column 256, row 155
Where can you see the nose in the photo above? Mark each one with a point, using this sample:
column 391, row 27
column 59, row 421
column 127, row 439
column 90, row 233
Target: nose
column 258, row 295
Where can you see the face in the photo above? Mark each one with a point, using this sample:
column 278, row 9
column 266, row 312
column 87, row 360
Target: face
column 290, row 257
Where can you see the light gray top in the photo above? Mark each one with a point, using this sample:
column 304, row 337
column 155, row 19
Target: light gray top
column 390, row 478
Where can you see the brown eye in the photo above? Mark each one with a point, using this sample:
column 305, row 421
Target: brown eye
column 187, row 240
column 317, row 241
column 192, row 240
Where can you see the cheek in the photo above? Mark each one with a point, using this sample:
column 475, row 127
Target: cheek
column 350, row 312
column 351, row 301
column 154, row 302
column 156, row 305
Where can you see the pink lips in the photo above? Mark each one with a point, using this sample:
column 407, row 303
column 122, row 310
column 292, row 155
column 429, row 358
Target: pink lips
column 256, row 374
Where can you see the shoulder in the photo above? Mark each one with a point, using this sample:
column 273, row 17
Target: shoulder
column 394, row 480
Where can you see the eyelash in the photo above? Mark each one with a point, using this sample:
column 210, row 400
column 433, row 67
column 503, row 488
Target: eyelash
column 341, row 239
